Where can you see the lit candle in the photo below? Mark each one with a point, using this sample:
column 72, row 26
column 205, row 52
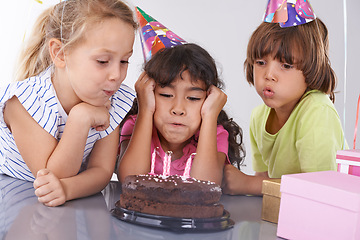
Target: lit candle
column 188, row 166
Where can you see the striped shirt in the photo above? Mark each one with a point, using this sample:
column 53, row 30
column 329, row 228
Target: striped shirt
column 38, row 97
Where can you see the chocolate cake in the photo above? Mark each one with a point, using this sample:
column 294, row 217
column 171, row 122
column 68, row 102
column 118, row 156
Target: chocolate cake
column 173, row 196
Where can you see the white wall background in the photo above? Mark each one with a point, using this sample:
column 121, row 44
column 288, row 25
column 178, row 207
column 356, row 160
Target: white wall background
column 223, row 28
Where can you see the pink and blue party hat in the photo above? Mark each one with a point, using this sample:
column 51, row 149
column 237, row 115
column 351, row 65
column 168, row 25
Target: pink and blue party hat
column 289, row 13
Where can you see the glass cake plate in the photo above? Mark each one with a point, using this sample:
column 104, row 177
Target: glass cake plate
column 172, row 223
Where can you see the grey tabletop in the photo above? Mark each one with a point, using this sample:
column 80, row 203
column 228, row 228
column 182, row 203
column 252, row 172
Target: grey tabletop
column 23, row 217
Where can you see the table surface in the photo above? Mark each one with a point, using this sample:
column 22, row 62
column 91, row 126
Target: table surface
column 23, row 217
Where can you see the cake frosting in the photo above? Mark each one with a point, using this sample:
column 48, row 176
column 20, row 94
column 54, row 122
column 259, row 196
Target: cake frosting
column 175, row 196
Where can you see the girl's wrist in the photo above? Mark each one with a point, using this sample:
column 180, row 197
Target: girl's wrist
column 145, row 113
column 77, row 114
column 76, row 118
column 65, row 190
column 209, row 117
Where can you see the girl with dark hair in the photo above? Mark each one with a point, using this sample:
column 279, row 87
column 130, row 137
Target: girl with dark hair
column 179, row 109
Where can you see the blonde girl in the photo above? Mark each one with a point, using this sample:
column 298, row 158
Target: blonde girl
column 60, row 120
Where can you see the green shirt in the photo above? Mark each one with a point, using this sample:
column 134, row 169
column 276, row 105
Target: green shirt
column 307, row 142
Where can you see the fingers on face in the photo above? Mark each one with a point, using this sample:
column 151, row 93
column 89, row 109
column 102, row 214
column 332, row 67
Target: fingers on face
column 145, row 79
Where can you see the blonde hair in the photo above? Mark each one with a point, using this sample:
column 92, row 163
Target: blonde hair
column 305, row 46
column 66, row 21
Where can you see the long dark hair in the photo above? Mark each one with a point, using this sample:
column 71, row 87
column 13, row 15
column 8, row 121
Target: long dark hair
column 169, row 63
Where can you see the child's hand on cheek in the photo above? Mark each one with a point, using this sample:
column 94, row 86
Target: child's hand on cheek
column 49, row 189
column 214, row 102
column 145, row 87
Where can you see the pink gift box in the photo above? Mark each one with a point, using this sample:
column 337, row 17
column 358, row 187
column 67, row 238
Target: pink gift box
column 348, row 161
column 319, row 205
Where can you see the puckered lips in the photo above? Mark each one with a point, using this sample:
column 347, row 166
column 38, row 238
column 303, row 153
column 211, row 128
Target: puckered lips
column 268, row 92
column 109, row 92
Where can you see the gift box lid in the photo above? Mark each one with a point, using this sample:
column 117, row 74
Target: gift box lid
column 271, row 187
column 329, row 187
column 351, row 155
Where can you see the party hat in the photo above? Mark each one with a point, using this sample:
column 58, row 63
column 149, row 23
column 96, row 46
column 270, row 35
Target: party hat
column 155, row 36
column 289, row 13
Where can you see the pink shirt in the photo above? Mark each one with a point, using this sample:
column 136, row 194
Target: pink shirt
column 177, row 165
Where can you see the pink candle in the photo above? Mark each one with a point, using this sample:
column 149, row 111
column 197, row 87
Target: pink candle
column 153, row 155
column 167, row 163
column 188, row 166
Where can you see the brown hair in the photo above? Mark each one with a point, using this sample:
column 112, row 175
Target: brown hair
column 304, row 46
column 66, row 21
